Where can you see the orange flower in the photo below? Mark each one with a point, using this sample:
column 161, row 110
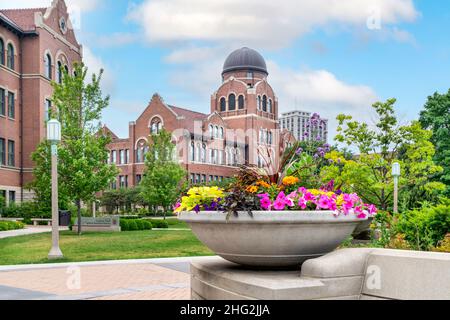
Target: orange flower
column 252, row 189
column 263, row 184
column 289, row 181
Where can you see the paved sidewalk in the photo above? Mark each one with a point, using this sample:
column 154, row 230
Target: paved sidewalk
column 150, row 279
column 28, row 230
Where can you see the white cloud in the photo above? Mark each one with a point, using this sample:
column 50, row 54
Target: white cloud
column 266, row 24
column 116, row 39
column 94, row 64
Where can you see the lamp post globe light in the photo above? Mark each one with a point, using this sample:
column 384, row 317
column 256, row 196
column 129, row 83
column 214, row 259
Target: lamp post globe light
column 54, row 136
column 396, row 172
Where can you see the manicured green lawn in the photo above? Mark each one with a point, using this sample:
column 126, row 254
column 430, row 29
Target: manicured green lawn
column 102, row 246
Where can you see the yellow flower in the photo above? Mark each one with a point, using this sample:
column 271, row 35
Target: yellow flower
column 252, row 189
column 289, row 181
column 340, row 200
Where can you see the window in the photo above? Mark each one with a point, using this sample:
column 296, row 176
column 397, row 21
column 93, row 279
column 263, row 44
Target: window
column 11, row 153
column 2, row 102
column 59, row 71
column 11, row 105
column 12, row 197
column 223, row 105
column 2, row 152
column 221, row 133
column 48, row 107
column 10, row 57
column 197, row 178
column 192, row 178
column 114, row 185
column 264, row 104
column 122, row 156
column 113, row 156
column 48, row 66
column 203, row 178
column 259, row 102
column 211, row 131
column 123, row 181
column 127, row 156
column 2, row 52
column 270, row 106
column 216, row 132
column 203, row 153
column 155, row 126
column 249, row 75
column 192, row 151
column 231, row 102
column 138, row 178
column 241, row 104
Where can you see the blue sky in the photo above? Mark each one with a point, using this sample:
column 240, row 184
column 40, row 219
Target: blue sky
column 323, row 55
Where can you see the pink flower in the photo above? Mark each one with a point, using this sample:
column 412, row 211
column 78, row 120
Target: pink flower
column 324, row 202
column 360, row 213
column 332, row 205
column 289, row 200
column 302, row 203
column 265, row 203
column 263, row 195
column 279, row 204
column 281, row 196
column 372, row 210
column 302, row 190
column 309, row 197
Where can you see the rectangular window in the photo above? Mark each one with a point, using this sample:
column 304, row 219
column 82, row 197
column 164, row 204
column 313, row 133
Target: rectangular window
column 127, row 156
column 11, row 153
column 203, row 178
column 48, row 107
column 2, row 102
column 114, row 185
column 138, row 178
column 197, row 178
column 3, row 196
column 11, row 105
column 113, row 156
column 192, row 178
column 211, row 178
column 122, row 181
column 2, row 152
column 12, row 197
column 122, row 156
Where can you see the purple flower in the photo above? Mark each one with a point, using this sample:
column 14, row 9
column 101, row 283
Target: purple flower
column 299, row 151
column 197, row 208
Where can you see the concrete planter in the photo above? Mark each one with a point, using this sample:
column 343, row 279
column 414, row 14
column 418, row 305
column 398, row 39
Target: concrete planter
column 269, row 239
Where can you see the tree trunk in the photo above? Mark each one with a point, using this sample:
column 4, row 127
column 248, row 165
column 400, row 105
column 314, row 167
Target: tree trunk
column 79, row 216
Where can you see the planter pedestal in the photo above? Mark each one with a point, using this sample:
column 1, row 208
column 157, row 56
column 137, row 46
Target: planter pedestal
column 348, row 274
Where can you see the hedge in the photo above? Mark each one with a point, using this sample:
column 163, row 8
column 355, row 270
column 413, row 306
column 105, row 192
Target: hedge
column 135, row 225
column 11, row 225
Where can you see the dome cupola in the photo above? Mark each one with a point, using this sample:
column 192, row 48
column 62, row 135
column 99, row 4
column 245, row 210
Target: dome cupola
column 245, row 59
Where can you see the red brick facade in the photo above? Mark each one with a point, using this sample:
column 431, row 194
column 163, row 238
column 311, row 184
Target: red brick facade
column 243, row 118
column 43, row 41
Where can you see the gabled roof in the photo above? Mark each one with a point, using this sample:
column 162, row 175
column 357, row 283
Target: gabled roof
column 108, row 131
column 188, row 114
column 22, row 18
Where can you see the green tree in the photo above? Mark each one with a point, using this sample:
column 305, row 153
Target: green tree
column 163, row 178
column 369, row 173
column 82, row 168
column 436, row 117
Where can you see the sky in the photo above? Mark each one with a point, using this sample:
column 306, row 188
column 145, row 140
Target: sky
column 326, row 56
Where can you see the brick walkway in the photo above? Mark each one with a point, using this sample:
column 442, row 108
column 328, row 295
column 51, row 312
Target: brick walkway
column 157, row 279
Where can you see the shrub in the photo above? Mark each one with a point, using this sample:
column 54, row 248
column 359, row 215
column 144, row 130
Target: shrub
column 10, row 225
column 147, row 225
column 160, row 224
column 132, row 225
column 124, row 225
column 444, row 245
column 139, row 224
column 425, row 228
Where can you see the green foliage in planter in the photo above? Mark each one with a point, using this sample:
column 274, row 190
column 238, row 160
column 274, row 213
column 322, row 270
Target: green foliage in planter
column 426, row 227
column 11, row 225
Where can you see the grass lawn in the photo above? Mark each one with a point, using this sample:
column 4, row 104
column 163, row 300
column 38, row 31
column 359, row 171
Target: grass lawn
column 102, row 246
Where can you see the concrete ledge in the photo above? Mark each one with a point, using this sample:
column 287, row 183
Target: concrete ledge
column 97, row 228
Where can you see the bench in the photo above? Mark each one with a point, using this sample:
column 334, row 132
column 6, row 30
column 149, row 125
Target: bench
column 36, row 221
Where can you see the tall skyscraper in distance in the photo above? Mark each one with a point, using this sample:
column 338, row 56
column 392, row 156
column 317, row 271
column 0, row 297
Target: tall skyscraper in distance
column 305, row 125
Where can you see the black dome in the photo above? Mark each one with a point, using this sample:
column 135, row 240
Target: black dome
column 245, row 59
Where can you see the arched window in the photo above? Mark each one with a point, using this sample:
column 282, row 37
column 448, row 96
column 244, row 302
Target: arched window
column 264, row 103
column 259, row 102
column 216, row 132
column 48, row 66
column 241, row 103
column 141, row 150
column 231, row 102
column 211, row 131
column 197, row 152
column 10, row 57
column 221, row 133
column 59, row 72
column 223, row 105
column 2, row 52
column 66, row 69
column 156, row 126
column 270, row 106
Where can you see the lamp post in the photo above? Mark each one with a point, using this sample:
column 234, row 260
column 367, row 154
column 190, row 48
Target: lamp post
column 396, row 175
column 54, row 136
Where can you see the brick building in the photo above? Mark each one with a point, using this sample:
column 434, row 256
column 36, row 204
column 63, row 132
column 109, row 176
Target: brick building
column 243, row 119
column 35, row 45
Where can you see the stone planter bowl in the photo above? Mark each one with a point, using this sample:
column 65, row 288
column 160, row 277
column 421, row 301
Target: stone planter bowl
column 271, row 239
